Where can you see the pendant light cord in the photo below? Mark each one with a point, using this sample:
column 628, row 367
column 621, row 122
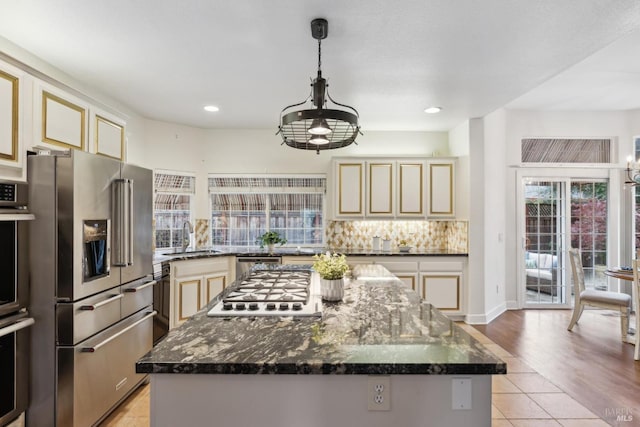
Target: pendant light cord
column 319, row 56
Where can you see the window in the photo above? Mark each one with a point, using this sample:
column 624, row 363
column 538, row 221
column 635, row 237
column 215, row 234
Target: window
column 242, row 208
column 565, row 150
column 174, row 192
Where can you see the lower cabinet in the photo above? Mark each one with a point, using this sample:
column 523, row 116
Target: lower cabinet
column 298, row 260
column 194, row 283
column 439, row 280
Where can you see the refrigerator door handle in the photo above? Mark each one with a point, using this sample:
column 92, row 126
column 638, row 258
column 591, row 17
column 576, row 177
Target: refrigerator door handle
column 122, row 198
column 130, row 221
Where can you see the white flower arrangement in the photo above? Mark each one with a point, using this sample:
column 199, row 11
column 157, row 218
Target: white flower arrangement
column 330, row 267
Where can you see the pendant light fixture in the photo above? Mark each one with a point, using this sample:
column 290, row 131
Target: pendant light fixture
column 319, row 128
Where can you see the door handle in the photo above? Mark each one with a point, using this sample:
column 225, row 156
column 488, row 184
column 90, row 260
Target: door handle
column 20, row 324
column 141, row 287
column 101, row 303
column 96, row 347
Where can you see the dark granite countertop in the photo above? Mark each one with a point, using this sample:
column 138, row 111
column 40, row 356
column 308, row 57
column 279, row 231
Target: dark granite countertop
column 380, row 327
column 291, row 251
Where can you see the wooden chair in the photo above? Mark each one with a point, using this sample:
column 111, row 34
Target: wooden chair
column 636, row 301
column 595, row 298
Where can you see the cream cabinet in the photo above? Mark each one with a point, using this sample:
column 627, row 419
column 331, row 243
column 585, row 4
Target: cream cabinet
column 442, row 284
column 380, row 184
column 194, row 283
column 441, row 181
column 411, row 186
column 107, row 134
column 380, row 188
column 439, row 280
column 349, row 189
column 12, row 154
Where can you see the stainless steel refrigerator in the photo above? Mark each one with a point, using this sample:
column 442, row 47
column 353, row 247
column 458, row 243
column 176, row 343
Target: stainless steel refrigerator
column 91, row 285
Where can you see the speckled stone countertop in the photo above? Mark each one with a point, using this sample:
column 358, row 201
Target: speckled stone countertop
column 290, row 251
column 380, row 327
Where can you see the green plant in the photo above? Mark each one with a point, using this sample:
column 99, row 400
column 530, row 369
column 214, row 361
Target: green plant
column 330, row 267
column 271, row 238
column 404, row 243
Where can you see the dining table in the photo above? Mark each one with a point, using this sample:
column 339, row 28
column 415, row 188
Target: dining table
column 626, row 274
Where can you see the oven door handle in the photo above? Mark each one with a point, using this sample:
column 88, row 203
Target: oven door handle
column 101, row 303
column 20, row 324
column 141, row 287
column 96, row 347
column 4, row 216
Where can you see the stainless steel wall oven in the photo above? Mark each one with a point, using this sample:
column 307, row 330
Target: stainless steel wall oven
column 14, row 298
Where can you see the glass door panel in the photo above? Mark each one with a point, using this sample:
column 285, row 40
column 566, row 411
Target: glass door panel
column 544, row 237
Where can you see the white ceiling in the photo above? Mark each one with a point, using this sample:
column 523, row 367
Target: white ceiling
column 166, row 59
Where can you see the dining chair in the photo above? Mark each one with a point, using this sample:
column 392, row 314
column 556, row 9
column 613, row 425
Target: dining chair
column 636, row 301
column 595, row 298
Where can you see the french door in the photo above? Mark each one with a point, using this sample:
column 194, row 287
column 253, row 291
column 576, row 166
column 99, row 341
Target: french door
column 555, row 214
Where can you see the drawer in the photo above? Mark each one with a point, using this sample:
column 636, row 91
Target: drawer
column 101, row 370
column 441, row 266
column 400, row 266
column 78, row 321
column 136, row 296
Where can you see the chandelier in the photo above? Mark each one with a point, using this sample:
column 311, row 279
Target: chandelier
column 319, row 128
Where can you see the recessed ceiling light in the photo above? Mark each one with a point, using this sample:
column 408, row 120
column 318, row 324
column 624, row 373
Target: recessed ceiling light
column 433, row 110
column 211, row 108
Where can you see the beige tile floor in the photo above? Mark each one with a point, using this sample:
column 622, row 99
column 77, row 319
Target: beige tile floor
column 522, row 398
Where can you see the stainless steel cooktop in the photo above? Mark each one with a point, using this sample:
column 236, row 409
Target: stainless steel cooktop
column 272, row 293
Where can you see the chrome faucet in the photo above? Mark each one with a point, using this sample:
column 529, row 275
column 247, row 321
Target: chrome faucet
column 186, row 236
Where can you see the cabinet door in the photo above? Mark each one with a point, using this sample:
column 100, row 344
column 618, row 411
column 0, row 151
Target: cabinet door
column 63, row 119
column 12, row 163
column 411, row 188
column 442, row 290
column 188, row 297
column 409, row 279
column 380, row 194
column 350, row 189
column 441, row 189
column 107, row 135
column 213, row 285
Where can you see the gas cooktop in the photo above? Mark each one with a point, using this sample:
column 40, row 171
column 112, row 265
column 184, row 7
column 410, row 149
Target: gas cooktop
column 272, row 293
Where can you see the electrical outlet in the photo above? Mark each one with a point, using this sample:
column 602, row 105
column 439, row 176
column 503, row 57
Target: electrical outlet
column 379, row 393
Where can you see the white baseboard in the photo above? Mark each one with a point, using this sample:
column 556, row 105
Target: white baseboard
column 483, row 319
column 512, row 305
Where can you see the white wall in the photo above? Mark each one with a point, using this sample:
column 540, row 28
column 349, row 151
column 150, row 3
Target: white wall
column 496, row 210
column 182, row 148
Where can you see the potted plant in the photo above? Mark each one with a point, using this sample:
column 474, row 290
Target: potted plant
column 403, row 246
column 331, row 268
column 270, row 238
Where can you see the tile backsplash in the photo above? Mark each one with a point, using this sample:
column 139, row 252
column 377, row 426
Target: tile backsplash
column 422, row 235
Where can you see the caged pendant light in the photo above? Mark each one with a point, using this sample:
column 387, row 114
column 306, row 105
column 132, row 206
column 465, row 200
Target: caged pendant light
column 319, row 128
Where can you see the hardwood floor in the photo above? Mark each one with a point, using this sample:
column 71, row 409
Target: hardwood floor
column 591, row 363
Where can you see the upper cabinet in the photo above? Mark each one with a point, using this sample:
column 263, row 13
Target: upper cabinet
column 442, row 188
column 393, row 188
column 12, row 156
column 380, row 176
column 349, row 189
column 63, row 121
column 60, row 120
column 107, row 135
column 411, row 187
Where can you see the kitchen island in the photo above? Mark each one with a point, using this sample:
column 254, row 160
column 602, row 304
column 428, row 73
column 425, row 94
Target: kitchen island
column 321, row 371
